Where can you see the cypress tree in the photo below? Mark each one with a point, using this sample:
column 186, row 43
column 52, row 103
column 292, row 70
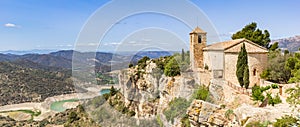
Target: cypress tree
column 182, row 55
column 242, row 68
column 239, row 67
column 246, row 77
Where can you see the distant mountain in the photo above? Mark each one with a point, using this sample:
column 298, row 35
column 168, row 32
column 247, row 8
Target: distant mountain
column 34, row 51
column 292, row 43
column 65, row 58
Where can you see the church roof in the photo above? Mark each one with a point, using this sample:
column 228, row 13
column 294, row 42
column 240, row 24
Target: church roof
column 198, row 30
column 231, row 46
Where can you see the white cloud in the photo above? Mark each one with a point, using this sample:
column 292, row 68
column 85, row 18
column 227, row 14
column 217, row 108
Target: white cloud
column 67, row 45
column 132, row 42
column 111, row 43
column 10, row 25
column 92, row 44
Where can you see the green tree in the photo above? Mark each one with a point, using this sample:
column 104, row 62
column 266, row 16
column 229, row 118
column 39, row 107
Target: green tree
column 242, row 68
column 293, row 64
column 274, row 46
column 286, row 52
column 172, row 68
column 253, row 34
column 276, row 70
column 294, row 96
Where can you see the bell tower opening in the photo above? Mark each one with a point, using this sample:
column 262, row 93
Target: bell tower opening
column 199, row 38
column 197, row 43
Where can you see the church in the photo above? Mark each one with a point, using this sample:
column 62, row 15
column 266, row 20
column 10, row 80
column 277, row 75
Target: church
column 220, row 59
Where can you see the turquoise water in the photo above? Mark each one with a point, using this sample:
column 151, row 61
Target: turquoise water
column 104, row 91
column 58, row 105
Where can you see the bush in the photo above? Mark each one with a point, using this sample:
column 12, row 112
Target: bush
column 73, row 117
column 172, row 68
column 206, row 67
column 185, row 122
column 257, row 94
column 228, row 113
column 274, row 86
column 177, row 108
column 285, row 121
column 202, row 93
column 258, row 124
column 273, row 101
column 130, row 65
column 142, row 62
column 161, row 124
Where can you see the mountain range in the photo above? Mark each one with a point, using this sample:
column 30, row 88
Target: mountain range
column 291, row 43
column 64, row 58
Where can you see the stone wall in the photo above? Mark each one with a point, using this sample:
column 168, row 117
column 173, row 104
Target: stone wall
column 257, row 62
column 214, row 60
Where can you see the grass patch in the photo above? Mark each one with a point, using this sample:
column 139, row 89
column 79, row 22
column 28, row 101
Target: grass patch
column 58, row 105
column 31, row 112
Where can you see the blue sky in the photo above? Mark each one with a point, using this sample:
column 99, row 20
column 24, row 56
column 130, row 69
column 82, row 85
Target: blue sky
column 56, row 24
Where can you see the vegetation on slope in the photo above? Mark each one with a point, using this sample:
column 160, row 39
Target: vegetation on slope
column 76, row 117
column 19, row 84
column 268, row 98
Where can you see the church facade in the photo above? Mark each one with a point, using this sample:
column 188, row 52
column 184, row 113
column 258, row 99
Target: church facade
column 220, row 58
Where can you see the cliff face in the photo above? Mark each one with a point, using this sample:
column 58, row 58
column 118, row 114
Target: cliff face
column 151, row 91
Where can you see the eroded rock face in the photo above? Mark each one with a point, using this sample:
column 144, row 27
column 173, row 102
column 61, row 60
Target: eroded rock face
column 151, row 91
column 203, row 113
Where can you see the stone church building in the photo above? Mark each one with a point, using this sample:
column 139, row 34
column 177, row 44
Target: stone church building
column 219, row 59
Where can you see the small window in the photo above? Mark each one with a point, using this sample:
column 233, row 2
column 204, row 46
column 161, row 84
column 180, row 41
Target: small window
column 199, row 39
column 254, row 72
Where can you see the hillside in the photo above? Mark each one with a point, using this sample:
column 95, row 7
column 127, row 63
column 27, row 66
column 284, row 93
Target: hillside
column 291, row 43
column 70, row 118
column 22, row 83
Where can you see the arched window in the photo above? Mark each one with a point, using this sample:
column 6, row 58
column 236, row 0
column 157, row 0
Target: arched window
column 199, row 38
column 254, row 72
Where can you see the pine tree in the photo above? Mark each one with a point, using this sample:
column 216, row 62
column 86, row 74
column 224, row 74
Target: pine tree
column 252, row 33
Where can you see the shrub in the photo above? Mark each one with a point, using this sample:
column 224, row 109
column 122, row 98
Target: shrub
column 130, row 65
column 159, row 121
column 273, row 101
column 73, row 117
column 285, row 121
column 177, row 108
column 228, row 113
column 257, row 94
column 274, row 86
column 185, row 122
column 202, row 93
column 172, row 68
column 206, row 67
column 258, row 124
column 142, row 62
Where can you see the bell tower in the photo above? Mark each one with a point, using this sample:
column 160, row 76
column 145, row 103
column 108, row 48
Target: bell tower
column 197, row 43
